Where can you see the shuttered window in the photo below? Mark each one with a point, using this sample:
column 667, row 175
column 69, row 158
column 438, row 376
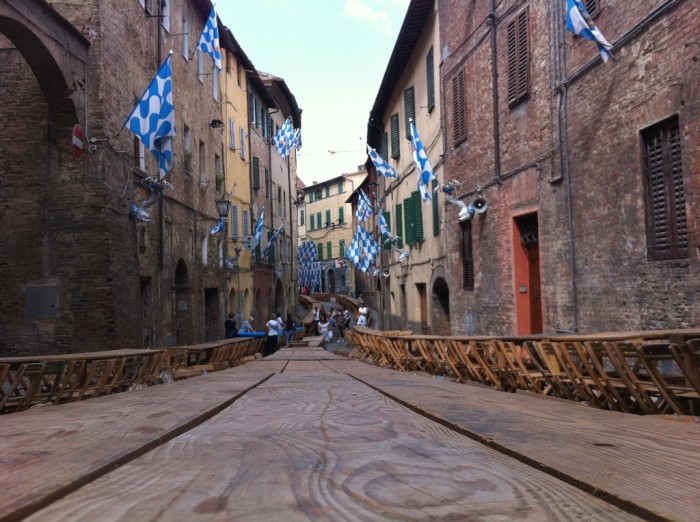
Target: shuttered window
column 459, row 108
column 319, row 223
column 301, row 217
column 518, row 59
column 234, row 222
column 328, row 218
column 467, row 256
column 341, row 215
column 268, row 184
column 320, row 251
column 417, row 216
column 667, row 228
column 384, row 148
column 399, row 224
column 592, row 6
column 246, row 229
column 271, row 255
column 408, row 225
column 430, row 76
column 436, row 209
column 341, row 248
column 311, row 222
column 395, row 145
column 387, row 218
column 329, row 250
column 256, row 173
column 409, row 104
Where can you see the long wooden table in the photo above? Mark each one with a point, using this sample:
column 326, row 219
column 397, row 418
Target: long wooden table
column 307, row 435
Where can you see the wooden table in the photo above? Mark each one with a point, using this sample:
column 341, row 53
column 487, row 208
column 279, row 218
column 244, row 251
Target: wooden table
column 107, row 354
column 306, row 435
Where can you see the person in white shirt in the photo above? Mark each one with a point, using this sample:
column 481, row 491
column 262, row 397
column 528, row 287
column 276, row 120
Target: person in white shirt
column 271, row 343
column 362, row 315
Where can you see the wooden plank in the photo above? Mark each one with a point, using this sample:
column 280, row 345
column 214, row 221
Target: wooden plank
column 313, row 444
column 107, row 354
column 644, row 461
column 46, row 451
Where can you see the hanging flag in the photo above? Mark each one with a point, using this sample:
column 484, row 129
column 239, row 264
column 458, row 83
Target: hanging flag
column 209, row 41
column 219, row 227
column 283, row 138
column 259, row 226
column 296, row 139
column 312, row 251
column 578, row 21
column 383, row 228
column 383, row 168
column 153, row 118
column 271, row 241
column 364, row 207
column 363, row 250
column 423, row 167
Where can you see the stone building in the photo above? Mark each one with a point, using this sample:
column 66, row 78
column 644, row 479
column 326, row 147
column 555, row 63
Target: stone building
column 590, row 169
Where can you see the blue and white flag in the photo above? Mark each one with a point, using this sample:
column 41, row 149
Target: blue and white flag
column 259, row 226
column 423, row 167
column 153, row 118
column 383, row 168
column 209, row 41
column 364, row 207
column 363, row 249
column 296, row 139
column 578, row 21
column 271, row 241
column 283, row 138
column 219, row 227
column 383, row 228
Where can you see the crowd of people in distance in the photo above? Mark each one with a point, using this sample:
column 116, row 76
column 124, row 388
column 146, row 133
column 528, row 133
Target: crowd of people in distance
column 333, row 324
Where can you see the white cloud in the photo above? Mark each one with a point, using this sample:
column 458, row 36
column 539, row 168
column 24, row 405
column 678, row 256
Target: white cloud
column 376, row 18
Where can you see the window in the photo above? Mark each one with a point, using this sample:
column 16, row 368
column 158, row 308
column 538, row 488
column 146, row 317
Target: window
column 256, row 173
column 242, row 130
column 592, row 6
column 185, row 40
column 218, row 172
column 205, row 250
column 320, row 251
column 165, row 11
column 436, row 210
column 246, row 220
column 667, row 228
column 271, row 255
column 328, row 191
column 399, row 224
column 328, row 218
column 467, row 256
column 341, row 215
column 301, row 217
column 409, row 105
column 268, row 184
column 518, row 59
column 229, row 60
column 311, row 197
column 215, row 81
column 329, row 250
column 318, row 195
column 231, row 134
column 311, row 221
column 341, row 248
column 430, row 76
column 202, row 160
column 234, row 222
column 384, row 147
column 341, row 187
column 459, row 108
column 253, row 110
column 387, row 218
column 238, row 74
column 200, row 66
column 319, row 223
column 395, row 146
column 139, row 154
column 413, row 218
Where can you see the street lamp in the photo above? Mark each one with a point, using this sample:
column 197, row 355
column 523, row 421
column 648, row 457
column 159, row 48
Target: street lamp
column 223, row 206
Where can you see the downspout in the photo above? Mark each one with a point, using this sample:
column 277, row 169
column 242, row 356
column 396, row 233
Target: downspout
column 493, row 22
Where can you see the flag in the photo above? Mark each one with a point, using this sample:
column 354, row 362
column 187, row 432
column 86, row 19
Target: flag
column 209, row 41
column 423, row 167
column 271, row 241
column 259, row 226
column 296, row 139
column 363, row 249
column 219, row 227
column 364, row 207
column 578, row 21
column 383, row 228
column 383, row 168
column 283, row 138
column 153, row 118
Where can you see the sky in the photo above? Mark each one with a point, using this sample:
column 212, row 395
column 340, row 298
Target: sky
column 332, row 54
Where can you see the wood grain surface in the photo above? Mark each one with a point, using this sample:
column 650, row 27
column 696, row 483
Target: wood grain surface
column 314, row 444
column 648, row 461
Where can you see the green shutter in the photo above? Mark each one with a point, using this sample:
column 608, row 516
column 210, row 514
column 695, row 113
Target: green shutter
column 417, row 214
column 430, row 75
column 384, row 149
column 341, row 215
column 311, row 222
column 301, row 217
column 328, row 218
column 399, row 225
column 408, row 219
column 436, row 210
column 256, row 173
column 319, row 223
column 387, row 218
column 409, row 105
column 271, row 255
column 341, row 187
column 329, row 250
column 341, row 248
column 328, row 191
column 320, row 251
column 395, row 144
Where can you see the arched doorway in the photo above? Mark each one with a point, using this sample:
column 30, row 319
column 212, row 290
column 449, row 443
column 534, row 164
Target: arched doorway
column 331, row 282
column 279, row 298
column 246, row 305
column 183, row 305
column 440, row 307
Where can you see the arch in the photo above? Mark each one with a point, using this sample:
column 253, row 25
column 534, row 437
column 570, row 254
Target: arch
column 246, row 304
column 440, row 302
column 279, row 298
column 182, row 278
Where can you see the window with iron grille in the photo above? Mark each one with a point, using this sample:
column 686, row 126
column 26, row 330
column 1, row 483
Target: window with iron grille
column 518, row 59
column 395, row 145
column 459, row 108
column 409, row 105
column 430, row 75
column 592, row 6
column 667, row 227
column 467, row 256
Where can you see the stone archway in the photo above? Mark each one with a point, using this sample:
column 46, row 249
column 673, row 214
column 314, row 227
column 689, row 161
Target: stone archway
column 440, row 302
column 279, row 298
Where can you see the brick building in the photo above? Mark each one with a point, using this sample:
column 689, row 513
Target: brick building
column 590, row 170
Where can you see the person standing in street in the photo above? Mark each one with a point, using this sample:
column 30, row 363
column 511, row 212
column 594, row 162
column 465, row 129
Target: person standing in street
column 271, row 342
column 230, row 327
